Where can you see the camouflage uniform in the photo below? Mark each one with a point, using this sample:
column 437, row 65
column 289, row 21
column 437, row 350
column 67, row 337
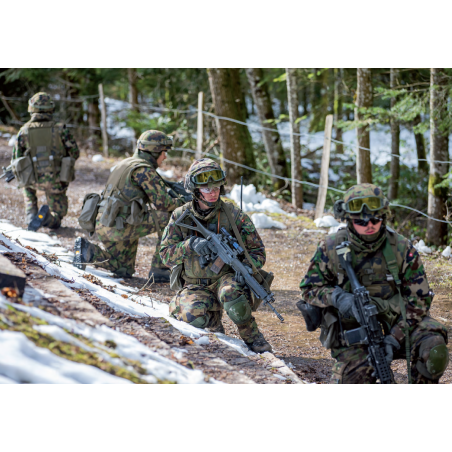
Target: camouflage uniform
column 120, row 245
column 324, row 274
column 54, row 190
column 200, row 303
column 205, row 294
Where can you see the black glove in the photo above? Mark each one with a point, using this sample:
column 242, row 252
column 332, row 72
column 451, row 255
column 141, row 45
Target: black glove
column 200, row 246
column 391, row 344
column 344, row 302
column 240, row 279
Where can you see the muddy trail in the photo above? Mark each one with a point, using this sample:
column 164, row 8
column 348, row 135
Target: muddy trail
column 288, row 254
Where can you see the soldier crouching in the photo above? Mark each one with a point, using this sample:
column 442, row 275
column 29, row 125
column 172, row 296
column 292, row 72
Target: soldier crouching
column 391, row 270
column 204, row 294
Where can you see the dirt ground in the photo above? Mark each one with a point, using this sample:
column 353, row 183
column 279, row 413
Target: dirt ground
column 288, row 255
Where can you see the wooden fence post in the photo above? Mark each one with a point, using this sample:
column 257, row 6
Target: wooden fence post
column 200, row 131
column 321, row 197
column 8, row 107
column 103, row 114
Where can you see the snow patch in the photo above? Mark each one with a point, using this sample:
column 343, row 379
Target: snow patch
column 254, row 201
column 326, row 222
column 262, row 221
column 422, row 248
column 204, row 340
column 447, row 252
column 97, row 158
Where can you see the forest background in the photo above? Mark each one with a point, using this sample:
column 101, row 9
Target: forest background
column 391, row 127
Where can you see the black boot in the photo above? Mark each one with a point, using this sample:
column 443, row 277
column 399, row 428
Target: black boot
column 260, row 345
column 161, row 275
column 41, row 219
column 84, row 253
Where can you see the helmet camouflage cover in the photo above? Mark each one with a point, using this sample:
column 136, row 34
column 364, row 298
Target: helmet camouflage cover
column 154, row 141
column 204, row 166
column 41, row 103
column 371, row 203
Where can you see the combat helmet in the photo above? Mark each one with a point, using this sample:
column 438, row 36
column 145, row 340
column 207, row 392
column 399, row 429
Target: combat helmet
column 204, row 172
column 41, row 103
column 362, row 201
column 154, row 142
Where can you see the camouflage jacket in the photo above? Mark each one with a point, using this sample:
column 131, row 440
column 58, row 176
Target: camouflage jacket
column 152, row 184
column 370, row 266
column 66, row 137
column 175, row 248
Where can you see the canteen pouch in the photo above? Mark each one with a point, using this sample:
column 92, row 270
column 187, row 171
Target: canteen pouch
column 176, row 281
column 23, row 170
column 67, row 173
column 87, row 219
column 136, row 213
column 111, row 211
column 265, row 279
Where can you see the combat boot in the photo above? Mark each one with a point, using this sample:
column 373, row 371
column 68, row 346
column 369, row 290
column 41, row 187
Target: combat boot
column 31, row 214
column 41, row 219
column 259, row 345
column 161, row 275
column 219, row 328
column 84, row 253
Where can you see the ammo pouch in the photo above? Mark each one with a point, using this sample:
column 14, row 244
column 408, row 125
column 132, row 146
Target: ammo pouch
column 23, row 170
column 87, row 219
column 176, row 281
column 329, row 335
column 112, row 209
column 312, row 315
column 266, row 279
column 137, row 212
column 67, row 173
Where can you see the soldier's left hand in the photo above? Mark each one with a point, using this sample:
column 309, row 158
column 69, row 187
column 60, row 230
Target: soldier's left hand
column 391, row 344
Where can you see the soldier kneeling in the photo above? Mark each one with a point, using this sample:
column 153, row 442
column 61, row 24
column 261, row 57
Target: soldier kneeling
column 205, row 294
column 391, row 270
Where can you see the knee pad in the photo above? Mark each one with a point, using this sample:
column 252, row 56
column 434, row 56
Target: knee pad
column 201, row 322
column 434, row 358
column 238, row 310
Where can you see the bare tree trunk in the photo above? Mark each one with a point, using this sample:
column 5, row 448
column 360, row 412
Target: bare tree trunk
column 93, row 122
column 295, row 147
column 420, row 147
column 363, row 100
column 395, row 146
column 439, row 150
column 338, row 111
column 133, row 91
column 272, row 140
column 235, row 139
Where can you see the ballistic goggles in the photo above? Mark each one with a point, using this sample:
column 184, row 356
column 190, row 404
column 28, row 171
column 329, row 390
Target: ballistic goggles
column 209, row 190
column 372, row 203
column 208, row 176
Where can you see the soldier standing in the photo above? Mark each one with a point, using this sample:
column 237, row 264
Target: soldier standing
column 134, row 203
column 387, row 264
column 205, row 294
column 43, row 158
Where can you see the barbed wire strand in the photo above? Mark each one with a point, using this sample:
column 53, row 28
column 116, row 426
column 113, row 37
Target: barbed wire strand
column 300, row 182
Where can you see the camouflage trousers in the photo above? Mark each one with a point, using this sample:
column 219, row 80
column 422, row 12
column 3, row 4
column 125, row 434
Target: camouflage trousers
column 120, row 246
column 352, row 366
column 195, row 301
column 56, row 199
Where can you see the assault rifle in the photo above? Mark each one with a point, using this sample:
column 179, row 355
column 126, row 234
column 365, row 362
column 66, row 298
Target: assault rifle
column 8, row 173
column 176, row 190
column 370, row 333
column 226, row 250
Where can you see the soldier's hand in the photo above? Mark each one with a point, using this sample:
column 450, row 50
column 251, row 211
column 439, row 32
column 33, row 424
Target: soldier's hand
column 391, row 344
column 188, row 198
column 344, row 302
column 240, row 279
column 200, row 246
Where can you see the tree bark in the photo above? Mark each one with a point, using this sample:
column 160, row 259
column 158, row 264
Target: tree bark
column 338, row 109
column 272, row 140
column 235, row 139
column 133, row 91
column 439, row 150
column 93, row 122
column 395, row 145
column 363, row 100
column 420, row 148
column 295, row 147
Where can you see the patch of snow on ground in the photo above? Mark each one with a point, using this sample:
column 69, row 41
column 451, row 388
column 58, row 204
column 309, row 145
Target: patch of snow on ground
column 326, row 222
column 254, row 201
column 97, row 158
column 423, row 248
column 262, row 221
column 447, row 252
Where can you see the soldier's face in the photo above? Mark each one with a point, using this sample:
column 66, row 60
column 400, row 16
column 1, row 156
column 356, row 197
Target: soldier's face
column 161, row 158
column 210, row 194
column 369, row 229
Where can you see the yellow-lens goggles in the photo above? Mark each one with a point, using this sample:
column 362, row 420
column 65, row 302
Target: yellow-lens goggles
column 208, row 176
column 356, row 205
